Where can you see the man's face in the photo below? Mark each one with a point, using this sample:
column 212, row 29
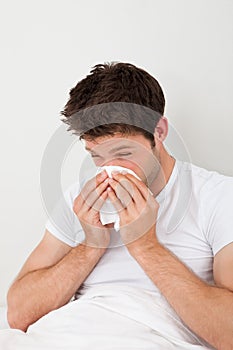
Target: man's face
column 132, row 151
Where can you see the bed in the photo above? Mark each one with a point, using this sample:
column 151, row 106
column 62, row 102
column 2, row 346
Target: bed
column 105, row 317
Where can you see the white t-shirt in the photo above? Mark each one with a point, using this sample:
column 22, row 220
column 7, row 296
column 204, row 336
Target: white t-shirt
column 195, row 221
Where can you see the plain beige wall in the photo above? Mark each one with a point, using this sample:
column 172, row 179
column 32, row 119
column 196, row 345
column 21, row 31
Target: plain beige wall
column 47, row 46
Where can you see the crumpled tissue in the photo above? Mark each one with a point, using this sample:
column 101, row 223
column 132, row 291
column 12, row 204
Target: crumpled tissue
column 108, row 213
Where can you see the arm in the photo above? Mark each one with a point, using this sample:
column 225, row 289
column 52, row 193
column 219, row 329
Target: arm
column 54, row 270
column 48, row 280
column 207, row 310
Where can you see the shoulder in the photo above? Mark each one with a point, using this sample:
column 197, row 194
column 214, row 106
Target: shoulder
column 206, row 181
column 211, row 203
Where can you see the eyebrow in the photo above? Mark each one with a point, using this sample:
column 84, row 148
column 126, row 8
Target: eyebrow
column 115, row 149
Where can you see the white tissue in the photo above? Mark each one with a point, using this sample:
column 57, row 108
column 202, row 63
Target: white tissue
column 108, row 213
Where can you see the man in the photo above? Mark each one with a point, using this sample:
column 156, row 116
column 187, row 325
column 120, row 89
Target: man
column 186, row 257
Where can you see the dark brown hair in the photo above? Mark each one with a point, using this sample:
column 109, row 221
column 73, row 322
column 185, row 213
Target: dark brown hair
column 109, row 83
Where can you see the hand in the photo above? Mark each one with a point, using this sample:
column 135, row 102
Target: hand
column 137, row 210
column 87, row 206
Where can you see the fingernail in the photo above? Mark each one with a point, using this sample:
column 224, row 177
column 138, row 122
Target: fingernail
column 115, row 172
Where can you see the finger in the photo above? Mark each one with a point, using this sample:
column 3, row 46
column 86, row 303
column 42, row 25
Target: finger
column 141, row 187
column 121, row 193
column 115, row 201
column 129, row 186
column 91, row 200
column 90, row 186
column 100, row 201
column 93, row 183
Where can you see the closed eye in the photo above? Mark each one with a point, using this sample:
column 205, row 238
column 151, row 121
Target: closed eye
column 118, row 155
column 123, row 154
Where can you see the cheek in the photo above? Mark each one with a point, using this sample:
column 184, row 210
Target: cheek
column 98, row 162
column 134, row 166
column 146, row 166
column 126, row 163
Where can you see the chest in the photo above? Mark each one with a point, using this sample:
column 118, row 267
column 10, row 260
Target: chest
column 179, row 228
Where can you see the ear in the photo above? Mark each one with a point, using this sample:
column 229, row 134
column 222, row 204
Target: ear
column 161, row 129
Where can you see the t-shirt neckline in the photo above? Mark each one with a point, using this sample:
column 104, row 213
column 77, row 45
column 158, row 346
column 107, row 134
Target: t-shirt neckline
column 169, row 184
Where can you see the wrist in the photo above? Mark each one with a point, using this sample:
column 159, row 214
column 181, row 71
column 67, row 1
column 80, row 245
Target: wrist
column 145, row 243
column 143, row 252
column 90, row 251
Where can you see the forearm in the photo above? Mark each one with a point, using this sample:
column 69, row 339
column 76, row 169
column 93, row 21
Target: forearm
column 206, row 309
column 47, row 289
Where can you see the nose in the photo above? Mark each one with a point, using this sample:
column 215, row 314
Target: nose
column 112, row 162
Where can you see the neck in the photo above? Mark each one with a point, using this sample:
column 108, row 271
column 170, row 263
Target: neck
column 167, row 163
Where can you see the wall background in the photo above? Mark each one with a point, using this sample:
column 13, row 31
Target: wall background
column 47, row 46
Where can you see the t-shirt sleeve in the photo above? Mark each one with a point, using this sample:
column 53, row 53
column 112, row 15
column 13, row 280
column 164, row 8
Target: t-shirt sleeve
column 63, row 222
column 218, row 214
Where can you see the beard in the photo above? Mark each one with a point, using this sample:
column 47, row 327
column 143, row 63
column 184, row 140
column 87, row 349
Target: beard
column 152, row 169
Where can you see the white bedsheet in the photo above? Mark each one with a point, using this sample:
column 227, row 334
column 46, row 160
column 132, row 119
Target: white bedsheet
column 107, row 317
